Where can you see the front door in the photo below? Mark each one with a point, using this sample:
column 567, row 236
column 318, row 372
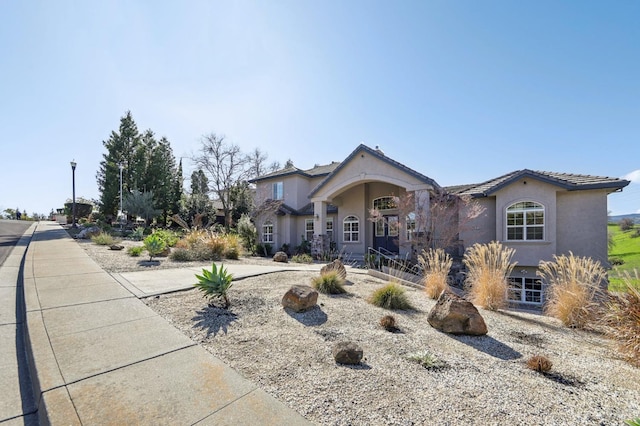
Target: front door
column 386, row 234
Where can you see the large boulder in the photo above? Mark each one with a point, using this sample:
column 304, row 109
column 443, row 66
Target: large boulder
column 347, row 353
column 92, row 231
column 281, row 256
column 452, row 314
column 336, row 266
column 300, row 298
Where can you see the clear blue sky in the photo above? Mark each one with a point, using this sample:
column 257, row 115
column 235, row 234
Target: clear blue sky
column 462, row 91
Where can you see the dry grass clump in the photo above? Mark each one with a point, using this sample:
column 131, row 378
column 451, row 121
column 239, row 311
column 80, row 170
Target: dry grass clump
column 436, row 265
column 539, row 363
column 103, row 239
column 391, row 296
column 574, row 288
column 202, row 244
column 427, row 360
column 623, row 318
column 489, row 265
column 388, row 322
column 329, row 283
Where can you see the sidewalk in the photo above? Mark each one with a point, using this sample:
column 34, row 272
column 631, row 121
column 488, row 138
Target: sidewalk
column 99, row 355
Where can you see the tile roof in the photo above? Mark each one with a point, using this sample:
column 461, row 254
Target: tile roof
column 568, row 181
column 317, row 170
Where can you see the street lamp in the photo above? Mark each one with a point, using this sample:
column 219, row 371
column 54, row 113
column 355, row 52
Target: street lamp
column 120, row 165
column 73, row 208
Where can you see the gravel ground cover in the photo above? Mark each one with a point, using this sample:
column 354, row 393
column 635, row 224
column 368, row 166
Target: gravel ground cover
column 484, row 380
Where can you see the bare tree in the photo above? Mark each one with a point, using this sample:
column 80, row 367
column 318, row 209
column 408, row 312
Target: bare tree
column 256, row 163
column 226, row 165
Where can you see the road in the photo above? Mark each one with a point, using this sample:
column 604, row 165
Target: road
column 10, row 233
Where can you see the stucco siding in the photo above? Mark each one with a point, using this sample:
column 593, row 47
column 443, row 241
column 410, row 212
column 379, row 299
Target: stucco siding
column 353, row 204
column 482, row 229
column 582, row 224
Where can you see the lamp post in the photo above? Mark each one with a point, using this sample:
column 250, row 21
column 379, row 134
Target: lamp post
column 120, row 165
column 73, row 208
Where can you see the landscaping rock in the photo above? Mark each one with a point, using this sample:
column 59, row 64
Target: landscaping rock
column 300, row 298
column 88, row 233
column 452, row 314
column 347, row 353
column 281, row 257
column 337, row 266
column 115, row 247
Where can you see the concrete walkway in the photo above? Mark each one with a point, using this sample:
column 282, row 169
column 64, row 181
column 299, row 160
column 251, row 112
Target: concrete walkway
column 99, row 355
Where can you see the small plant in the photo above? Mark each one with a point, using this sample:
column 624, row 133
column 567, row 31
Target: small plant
column 539, row 363
column 623, row 318
column 103, row 239
column 391, row 296
column 137, row 234
column 180, row 255
column 215, row 283
column 633, row 422
column 489, row 265
column 574, row 288
column 135, row 251
column 169, row 237
column 329, row 283
column 302, row 258
column 388, row 322
column 154, row 245
column 427, row 360
column 436, row 265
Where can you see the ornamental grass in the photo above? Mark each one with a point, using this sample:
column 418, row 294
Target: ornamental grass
column 436, row 265
column 623, row 318
column 489, row 266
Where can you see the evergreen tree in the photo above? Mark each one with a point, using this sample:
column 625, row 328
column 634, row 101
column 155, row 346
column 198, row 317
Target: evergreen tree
column 123, row 147
column 199, row 202
column 241, row 200
column 176, row 194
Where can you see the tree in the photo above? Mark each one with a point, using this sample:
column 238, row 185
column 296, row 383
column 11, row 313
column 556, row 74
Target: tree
column 178, row 191
column 123, row 147
column 199, row 204
column 241, row 200
column 141, row 204
column 226, row 165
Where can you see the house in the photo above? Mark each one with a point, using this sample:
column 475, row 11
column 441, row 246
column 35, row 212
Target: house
column 539, row 214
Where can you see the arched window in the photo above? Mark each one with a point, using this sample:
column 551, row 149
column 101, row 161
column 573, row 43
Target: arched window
column 267, row 232
column 525, row 221
column 385, row 203
column 351, row 229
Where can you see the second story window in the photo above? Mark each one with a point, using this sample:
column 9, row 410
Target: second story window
column 278, row 191
column 525, row 221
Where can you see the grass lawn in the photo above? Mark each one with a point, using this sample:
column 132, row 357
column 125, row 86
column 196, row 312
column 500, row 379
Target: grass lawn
column 627, row 248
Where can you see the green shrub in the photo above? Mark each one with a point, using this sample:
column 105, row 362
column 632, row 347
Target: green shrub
column 103, row 239
column 154, row 245
column 248, row 233
column 264, row 249
column 137, row 234
column 181, row 255
column 302, row 258
column 329, row 283
column 427, row 360
column 169, row 237
column 135, row 251
column 215, row 283
column 391, row 296
column 489, row 265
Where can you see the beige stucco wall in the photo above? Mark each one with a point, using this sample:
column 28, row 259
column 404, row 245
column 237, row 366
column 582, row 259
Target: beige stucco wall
column 482, row 229
column 529, row 253
column 582, row 224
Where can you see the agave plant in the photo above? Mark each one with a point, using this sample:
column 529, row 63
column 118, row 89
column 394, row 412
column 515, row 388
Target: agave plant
column 215, row 283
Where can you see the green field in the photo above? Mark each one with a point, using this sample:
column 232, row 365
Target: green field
column 626, row 246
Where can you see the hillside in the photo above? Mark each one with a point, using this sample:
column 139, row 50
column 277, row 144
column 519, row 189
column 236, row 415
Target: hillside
column 626, row 247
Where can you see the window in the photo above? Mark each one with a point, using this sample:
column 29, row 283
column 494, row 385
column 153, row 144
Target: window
column 411, row 226
column 267, row 232
column 525, row 290
column 330, row 228
column 394, row 226
column 278, row 191
column 525, row 221
column 308, row 229
column 385, row 203
column 351, row 229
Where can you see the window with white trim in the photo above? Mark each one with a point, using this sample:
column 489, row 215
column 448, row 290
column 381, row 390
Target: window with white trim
column 411, row 226
column 385, row 203
column 267, row 232
column 308, row 229
column 351, row 229
column 525, row 290
column 278, row 191
column 525, row 221
column 330, row 228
